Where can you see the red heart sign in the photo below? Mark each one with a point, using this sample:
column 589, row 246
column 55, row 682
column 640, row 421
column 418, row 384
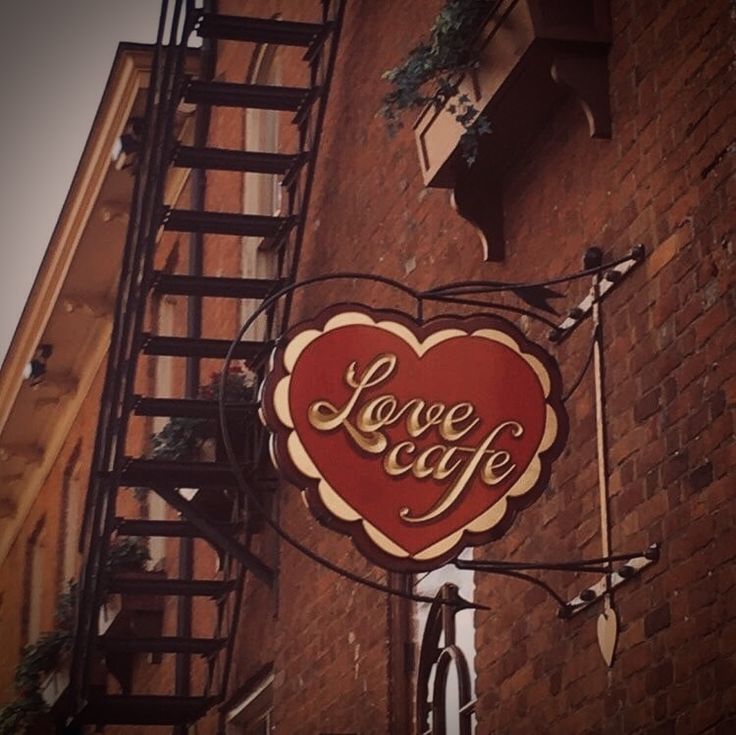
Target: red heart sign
column 416, row 440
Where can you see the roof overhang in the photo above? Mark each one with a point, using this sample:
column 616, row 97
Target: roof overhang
column 71, row 302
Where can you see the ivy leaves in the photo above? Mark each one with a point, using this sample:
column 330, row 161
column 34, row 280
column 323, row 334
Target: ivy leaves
column 182, row 438
column 42, row 657
column 440, row 63
column 38, row 659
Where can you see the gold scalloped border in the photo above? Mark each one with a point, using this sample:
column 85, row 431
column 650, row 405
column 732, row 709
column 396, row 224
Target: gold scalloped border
column 335, row 503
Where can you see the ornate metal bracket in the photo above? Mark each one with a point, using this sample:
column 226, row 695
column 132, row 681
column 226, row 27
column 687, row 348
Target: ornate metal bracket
column 590, row 595
column 603, row 283
column 537, row 296
column 632, row 565
column 578, row 314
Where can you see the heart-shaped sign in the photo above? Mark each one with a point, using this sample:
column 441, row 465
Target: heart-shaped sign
column 416, row 440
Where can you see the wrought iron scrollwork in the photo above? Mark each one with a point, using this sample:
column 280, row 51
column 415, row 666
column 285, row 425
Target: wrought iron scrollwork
column 462, row 293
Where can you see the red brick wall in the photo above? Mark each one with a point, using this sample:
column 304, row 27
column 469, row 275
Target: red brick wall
column 47, row 509
column 665, row 179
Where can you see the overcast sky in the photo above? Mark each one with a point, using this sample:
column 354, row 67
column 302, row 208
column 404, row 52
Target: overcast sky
column 55, row 56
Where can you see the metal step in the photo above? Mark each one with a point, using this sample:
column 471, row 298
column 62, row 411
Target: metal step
column 171, row 473
column 261, row 30
column 121, row 709
column 215, row 287
column 170, row 529
column 199, row 347
column 225, row 223
column 195, row 408
column 222, row 159
column 178, row 587
column 256, row 96
column 165, row 644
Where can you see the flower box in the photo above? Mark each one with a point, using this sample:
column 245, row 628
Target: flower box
column 55, row 687
column 533, row 54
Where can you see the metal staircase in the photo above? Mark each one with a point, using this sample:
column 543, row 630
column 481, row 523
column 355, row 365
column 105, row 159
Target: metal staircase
column 217, row 513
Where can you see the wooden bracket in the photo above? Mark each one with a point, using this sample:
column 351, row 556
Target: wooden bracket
column 482, row 206
column 532, row 55
column 585, row 74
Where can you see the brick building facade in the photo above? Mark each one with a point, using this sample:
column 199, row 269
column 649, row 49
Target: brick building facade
column 316, row 652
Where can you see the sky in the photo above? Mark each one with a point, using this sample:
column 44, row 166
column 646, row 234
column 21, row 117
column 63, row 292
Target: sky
column 55, row 56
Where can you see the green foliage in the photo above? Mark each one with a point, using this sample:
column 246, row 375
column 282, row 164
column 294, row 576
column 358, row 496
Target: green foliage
column 183, row 438
column 42, row 657
column 431, row 72
column 20, row 714
column 39, row 659
column 128, row 553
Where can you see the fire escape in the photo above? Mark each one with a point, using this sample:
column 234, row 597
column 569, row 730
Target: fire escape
column 224, row 522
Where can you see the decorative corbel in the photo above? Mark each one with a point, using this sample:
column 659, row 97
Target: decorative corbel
column 482, row 205
column 8, row 508
column 29, row 454
column 97, row 306
column 585, row 73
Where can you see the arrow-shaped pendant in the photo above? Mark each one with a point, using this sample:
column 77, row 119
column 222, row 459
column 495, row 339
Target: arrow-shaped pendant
column 607, row 621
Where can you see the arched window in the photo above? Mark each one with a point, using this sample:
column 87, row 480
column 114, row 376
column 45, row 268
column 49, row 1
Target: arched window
column 164, row 318
column 252, row 715
column 72, row 498
column 446, row 674
column 34, row 577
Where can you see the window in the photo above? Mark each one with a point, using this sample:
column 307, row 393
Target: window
column 33, row 579
column 164, row 319
column 454, row 723
column 252, row 715
column 72, row 495
column 262, row 192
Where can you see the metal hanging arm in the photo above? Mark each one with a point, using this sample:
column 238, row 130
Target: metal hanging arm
column 604, row 279
column 614, row 274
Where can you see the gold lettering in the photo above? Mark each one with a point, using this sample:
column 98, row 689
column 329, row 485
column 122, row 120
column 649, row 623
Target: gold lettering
column 442, row 471
column 449, row 429
column 376, row 413
column 497, row 461
column 391, row 460
column 422, row 468
column 432, row 416
column 457, row 464
column 324, row 416
column 459, row 485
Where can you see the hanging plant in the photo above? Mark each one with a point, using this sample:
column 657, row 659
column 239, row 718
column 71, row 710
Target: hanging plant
column 184, row 438
column 126, row 554
column 39, row 659
column 431, row 72
column 43, row 657
column 23, row 712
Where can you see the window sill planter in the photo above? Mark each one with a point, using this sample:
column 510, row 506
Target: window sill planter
column 54, row 689
column 533, row 54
